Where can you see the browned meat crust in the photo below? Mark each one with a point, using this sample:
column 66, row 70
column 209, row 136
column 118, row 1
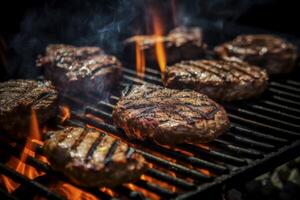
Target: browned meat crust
column 274, row 54
column 90, row 158
column 19, row 97
column 222, row 80
column 169, row 116
column 80, row 69
column 180, row 43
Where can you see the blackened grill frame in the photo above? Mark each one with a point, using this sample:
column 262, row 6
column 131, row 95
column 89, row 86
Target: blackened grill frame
column 276, row 154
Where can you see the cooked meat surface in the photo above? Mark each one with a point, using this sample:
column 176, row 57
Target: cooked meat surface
column 180, row 43
column 222, row 80
column 90, row 158
column 18, row 98
column 274, row 54
column 80, row 69
column 169, row 116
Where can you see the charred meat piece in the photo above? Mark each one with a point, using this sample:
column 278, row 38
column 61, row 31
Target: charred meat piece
column 169, row 116
column 18, row 98
column 180, row 43
column 90, row 158
column 274, row 54
column 80, row 69
column 222, row 80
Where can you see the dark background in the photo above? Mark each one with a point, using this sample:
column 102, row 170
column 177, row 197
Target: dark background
column 279, row 16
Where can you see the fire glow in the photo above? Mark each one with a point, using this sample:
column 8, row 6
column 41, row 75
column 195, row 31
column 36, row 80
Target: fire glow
column 19, row 164
column 159, row 44
column 65, row 113
column 140, row 59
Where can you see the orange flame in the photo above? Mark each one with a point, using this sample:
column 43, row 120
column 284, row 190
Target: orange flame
column 71, row 192
column 140, row 59
column 19, row 165
column 205, row 171
column 159, row 45
column 108, row 191
column 146, row 193
column 65, row 113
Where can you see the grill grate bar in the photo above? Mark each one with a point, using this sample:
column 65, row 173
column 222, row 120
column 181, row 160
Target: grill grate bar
column 258, row 124
column 210, row 153
column 264, row 117
column 292, row 82
column 155, row 159
column 270, row 138
column 283, row 107
column 285, row 93
column 284, row 86
column 169, row 179
column 249, row 142
column 16, row 176
column 236, row 149
column 272, row 112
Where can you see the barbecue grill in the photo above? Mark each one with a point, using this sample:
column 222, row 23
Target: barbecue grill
column 264, row 133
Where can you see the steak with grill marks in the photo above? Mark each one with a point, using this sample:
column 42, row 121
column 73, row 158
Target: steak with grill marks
column 19, row 97
column 226, row 80
column 169, row 116
column 180, row 43
column 90, row 158
column 80, row 69
column 274, row 54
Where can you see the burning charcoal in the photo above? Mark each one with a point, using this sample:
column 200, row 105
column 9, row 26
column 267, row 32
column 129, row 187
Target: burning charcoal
column 223, row 80
column 80, row 70
column 274, row 54
column 169, row 116
column 180, row 44
column 20, row 98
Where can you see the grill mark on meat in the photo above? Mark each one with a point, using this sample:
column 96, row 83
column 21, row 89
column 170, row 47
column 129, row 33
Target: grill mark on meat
column 91, row 151
column 79, row 139
column 42, row 97
column 113, row 147
column 204, row 68
column 64, row 136
column 101, row 67
column 237, row 66
column 129, row 152
column 127, row 90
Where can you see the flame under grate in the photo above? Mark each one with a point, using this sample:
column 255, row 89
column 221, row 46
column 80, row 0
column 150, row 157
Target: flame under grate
column 264, row 133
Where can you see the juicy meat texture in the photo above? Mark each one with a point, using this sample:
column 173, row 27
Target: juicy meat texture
column 274, row 54
column 19, row 97
column 90, row 158
column 80, row 69
column 225, row 80
column 180, row 43
column 169, row 116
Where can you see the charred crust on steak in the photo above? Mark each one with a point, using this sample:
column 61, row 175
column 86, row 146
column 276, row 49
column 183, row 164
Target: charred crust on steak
column 80, row 69
column 273, row 53
column 19, row 97
column 230, row 79
column 180, row 43
column 169, row 116
column 90, row 158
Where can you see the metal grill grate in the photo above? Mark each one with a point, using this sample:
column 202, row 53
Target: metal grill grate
column 264, row 133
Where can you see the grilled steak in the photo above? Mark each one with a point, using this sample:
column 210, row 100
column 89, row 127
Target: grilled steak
column 169, row 116
column 223, row 80
column 180, row 43
column 80, row 69
column 19, row 97
column 270, row 52
column 90, row 158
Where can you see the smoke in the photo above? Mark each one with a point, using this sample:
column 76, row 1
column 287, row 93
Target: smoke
column 80, row 23
column 105, row 24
